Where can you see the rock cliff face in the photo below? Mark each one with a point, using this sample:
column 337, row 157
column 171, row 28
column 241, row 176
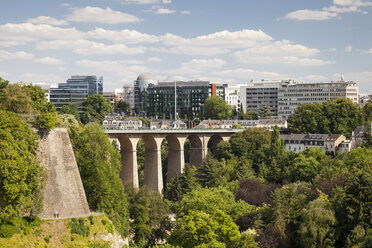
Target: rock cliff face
column 64, row 191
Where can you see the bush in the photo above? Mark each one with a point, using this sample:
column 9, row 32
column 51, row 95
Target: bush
column 78, row 226
column 45, row 121
column 47, row 239
column 7, row 231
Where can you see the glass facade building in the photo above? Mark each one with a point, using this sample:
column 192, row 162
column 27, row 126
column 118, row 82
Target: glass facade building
column 76, row 90
column 190, row 97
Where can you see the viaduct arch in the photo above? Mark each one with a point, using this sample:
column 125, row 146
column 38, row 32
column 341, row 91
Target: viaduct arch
column 176, row 139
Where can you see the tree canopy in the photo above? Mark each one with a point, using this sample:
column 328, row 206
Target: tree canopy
column 96, row 108
column 217, row 109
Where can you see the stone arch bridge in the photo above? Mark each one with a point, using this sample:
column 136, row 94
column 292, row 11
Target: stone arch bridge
column 153, row 139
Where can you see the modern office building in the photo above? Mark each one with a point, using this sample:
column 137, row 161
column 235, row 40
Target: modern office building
column 128, row 95
column 160, row 99
column 256, row 94
column 76, row 90
column 140, row 91
column 285, row 96
column 291, row 94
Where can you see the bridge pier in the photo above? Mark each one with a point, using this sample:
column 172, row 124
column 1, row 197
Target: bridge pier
column 129, row 169
column 153, row 176
column 176, row 158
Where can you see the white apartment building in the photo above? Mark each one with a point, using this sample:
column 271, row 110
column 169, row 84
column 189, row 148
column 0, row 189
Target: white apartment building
column 285, row 96
column 232, row 96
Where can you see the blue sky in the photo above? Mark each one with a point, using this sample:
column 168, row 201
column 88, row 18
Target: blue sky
column 233, row 41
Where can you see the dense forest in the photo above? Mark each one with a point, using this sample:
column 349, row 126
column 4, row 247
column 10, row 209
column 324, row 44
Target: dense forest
column 251, row 193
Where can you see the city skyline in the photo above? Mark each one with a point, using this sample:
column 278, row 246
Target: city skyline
column 307, row 41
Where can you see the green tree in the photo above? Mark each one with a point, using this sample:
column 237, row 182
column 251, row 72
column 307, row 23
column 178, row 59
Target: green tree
column 367, row 111
column 210, row 200
column 249, row 115
column 40, row 102
column 72, row 109
column 177, row 187
column 275, row 155
column 317, row 224
column 21, row 177
column 199, row 229
column 96, row 108
column 17, row 99
column 121, row 106
column 265, row 111
column 150, row 215
column 45, row 121
column 3, row 85
column 99, row 165
column 217, row 109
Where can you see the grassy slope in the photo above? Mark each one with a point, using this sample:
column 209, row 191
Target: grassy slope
column 59, row 233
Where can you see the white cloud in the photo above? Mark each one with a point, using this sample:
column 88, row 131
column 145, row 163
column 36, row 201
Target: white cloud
column 49, row 61
column 47, row 20
column 154, row 59
column 4, row 55
column 65, row 5
column 87, row 47
column 348, row 49
column 352, row 2
column 280, row 52
column 245, row 74
column 312, row 78
column 199, row 65
column 307, row 14
column 369, row 51
column 141, row 1
column 20, row 34
column 127, row 36
column 99, row 15
column 343, row 9
column 167, row 1
column 185, row 12
column 163, row 11
column 38, row 78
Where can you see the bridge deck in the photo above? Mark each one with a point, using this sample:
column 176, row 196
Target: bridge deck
column 172, row 131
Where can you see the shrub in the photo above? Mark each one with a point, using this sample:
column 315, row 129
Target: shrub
column 78, row 226
column 7, row 231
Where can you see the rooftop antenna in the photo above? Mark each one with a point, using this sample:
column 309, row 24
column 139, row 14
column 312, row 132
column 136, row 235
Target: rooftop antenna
column 342, row 77
column 175, row 100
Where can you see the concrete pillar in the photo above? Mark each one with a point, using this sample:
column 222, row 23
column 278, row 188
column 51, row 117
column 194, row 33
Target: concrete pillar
column 176, row 160
column 129, row 170
column 205, row 140
column 196, row 150
column 153, row 177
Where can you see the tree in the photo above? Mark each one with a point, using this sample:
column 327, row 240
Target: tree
column 367, row 111
column 150, row 215
column 317, row 224
column 178, row 186
column 45, row 121
column 121, row 106
column 249, row 115
column 197, row 228
column 96, row 108
column 72, row 109
column 17, row 99
column 3, row 85
column 99, row 166
column 265, row 111
column 217, row 109
column 211, row 200
column 332, row 116
column 40, row 102
column 276, row 154
column 21, row 177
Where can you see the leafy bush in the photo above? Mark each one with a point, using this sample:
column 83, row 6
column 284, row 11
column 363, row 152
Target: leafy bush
column 7, row 230
column 45, row 121
column 78, row 226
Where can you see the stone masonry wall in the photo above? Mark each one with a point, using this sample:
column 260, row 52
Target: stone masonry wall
column 64, row 191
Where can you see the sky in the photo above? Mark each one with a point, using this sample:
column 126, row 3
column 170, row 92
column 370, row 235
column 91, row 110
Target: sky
column 224, row 41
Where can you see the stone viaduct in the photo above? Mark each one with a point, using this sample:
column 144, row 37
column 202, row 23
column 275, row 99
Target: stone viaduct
column 153, row 139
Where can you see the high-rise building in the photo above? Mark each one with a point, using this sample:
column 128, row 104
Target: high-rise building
column 76, row 90
column 140, row 91
column 285, row 96
column 160, row 98
column 128, row 95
